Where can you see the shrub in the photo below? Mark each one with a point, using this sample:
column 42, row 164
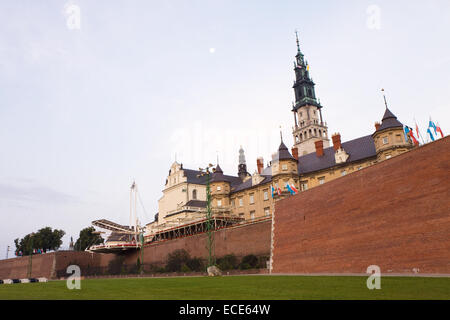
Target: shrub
column 115, row 265
column 185, row 268
column 227, row 262
column 196, row 264
column 251, row 260
column 176, row 259
column 245, row 266
column 153, row 268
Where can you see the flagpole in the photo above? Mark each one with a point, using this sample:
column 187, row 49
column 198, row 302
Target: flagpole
column 418, row 130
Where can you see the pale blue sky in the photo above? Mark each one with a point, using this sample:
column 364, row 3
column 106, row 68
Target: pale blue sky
column 85, row 111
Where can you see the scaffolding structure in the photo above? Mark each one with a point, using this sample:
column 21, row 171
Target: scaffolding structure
column 195, row 227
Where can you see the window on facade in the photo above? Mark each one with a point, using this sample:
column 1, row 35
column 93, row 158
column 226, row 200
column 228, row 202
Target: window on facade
column 241, row 215
column 241, row 202
column 194, row 194
column 219, row 203
column 399, row 138
column 385, row 140
column 321, row 180
column 343, row 172
column 233, row 203
column 388, row 156
column 284, row 167
column 252, row 198
column 301, row 114
column 252, row 215
column 219, row 188
column 359, row 167
column 304, row 185
column 267, row 211
column 266, row 195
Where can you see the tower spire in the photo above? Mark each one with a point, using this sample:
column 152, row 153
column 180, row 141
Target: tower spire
column 298, row 43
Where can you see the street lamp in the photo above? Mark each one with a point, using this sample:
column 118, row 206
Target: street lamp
column 209, row 221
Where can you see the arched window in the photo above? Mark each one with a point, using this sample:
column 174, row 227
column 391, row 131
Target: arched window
column 194, row 194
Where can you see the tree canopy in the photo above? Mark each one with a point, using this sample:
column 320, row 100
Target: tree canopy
column 87, row 238
column 45, row 239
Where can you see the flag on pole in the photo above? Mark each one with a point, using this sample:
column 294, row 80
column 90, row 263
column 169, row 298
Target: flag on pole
column 406, row 132
column 294, row 188
column 419, row 136
column 411, row 135
column 291, row 189
column 432, row 125
column 273, row 190
column 438, row 129
column 430, row 133
column 278, row 190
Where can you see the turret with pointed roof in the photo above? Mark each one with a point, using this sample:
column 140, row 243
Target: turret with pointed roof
column 389, row 121
column 389, row 137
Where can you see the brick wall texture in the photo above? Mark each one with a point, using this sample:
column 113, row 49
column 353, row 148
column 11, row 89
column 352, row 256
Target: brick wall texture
column 240, row 241
column 395, row 214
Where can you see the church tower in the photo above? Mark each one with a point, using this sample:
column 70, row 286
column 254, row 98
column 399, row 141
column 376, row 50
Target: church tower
column 309, row 126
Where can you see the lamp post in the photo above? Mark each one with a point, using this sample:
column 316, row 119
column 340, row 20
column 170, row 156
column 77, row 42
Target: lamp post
column 209, row 220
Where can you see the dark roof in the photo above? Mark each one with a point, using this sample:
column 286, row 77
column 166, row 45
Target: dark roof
column 248, row 184
column 196, row 203
column 358, row 149
column 192, row 176
column 283, row 152
column 389, row 121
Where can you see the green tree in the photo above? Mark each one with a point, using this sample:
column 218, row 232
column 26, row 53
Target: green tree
column 45, row 239
column 87, row 238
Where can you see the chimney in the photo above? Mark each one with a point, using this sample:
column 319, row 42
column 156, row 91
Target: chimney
column 295, row 152
column 260, row 164
column 319, row 148
column 377, row 126
column 336, row 141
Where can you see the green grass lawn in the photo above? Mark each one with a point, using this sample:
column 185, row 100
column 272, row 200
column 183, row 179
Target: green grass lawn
column 235, row 287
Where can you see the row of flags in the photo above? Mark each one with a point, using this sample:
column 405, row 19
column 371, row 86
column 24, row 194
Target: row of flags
column 432, row 131
column 290, row 187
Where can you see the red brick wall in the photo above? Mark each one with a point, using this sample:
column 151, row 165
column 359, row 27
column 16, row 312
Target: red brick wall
column 240, row 241
column 51, row 265
column 395, row 214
